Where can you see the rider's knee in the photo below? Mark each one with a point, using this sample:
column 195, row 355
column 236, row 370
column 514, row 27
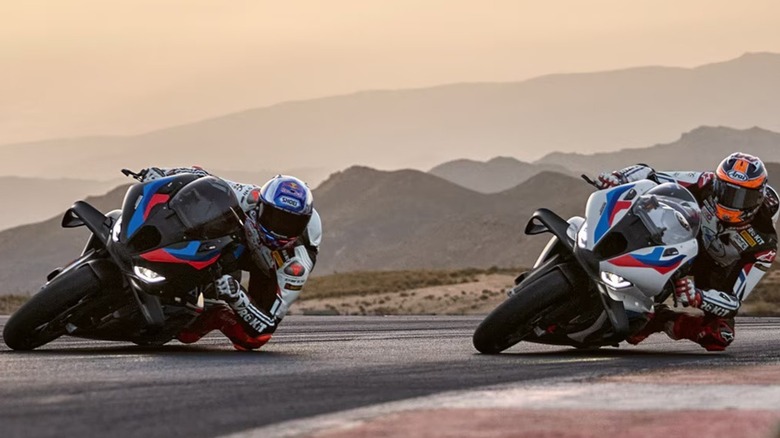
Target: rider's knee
column 717, row 334
column 253, row 343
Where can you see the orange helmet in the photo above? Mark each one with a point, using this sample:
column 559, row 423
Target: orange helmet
column 740, row 187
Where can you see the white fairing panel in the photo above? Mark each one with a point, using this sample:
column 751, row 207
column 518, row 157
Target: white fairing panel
column 607, row 207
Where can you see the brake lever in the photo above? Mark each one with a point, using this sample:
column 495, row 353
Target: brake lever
column 589, row 180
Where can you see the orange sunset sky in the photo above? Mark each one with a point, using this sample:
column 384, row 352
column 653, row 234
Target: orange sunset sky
column 79, row 67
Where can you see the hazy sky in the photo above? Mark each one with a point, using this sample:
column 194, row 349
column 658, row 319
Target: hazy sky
column 81, row 67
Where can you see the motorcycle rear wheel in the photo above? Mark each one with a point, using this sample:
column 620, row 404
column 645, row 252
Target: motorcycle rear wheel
column 514, row 319
column 28, row 327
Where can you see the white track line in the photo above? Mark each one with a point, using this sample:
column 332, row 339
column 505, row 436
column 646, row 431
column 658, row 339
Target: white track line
column 554, row 395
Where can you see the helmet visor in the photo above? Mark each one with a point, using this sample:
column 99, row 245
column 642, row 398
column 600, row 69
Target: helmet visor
column 283, row 223
column 738, row 198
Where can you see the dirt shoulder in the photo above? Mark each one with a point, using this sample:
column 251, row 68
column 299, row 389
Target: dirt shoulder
column 475, row 297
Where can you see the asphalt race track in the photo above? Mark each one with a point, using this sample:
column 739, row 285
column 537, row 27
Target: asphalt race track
column 313, row 366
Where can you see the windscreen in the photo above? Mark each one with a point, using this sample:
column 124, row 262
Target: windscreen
column 670, row 214
column 207, row 207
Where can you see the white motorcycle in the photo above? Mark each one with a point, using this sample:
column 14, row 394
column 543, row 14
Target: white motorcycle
column 599, row 276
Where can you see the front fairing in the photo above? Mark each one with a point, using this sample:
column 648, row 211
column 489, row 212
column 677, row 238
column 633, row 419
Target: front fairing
column 180, row 228
column 615, row 245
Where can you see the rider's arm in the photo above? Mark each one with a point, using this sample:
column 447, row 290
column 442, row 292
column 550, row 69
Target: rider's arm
column 624, row 176
column 247, row 194
column 264, row 305
column 726, row 302
column 152, row 173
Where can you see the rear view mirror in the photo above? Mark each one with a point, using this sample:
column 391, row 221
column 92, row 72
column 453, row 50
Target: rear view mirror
column 71, row 220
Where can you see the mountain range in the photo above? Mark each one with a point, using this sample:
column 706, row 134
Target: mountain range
column 419, row 128
column 699, row 149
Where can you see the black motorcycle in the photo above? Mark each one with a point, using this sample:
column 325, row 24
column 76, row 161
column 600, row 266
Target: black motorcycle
column 146, row 271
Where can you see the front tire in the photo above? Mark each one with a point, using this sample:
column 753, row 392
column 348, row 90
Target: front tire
column 27, row 328
column 514, row 319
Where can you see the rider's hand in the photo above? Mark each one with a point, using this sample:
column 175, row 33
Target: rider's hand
column 609, row 179
column 150, row 174
column 686, row 293
column 228, row 288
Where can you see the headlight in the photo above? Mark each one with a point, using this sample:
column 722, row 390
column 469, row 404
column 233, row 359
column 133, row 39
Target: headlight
column 614, row 280
column 147, row 275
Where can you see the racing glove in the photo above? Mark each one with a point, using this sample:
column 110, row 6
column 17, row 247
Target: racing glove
column 606, row 180
column 228, row 289
column 629, row 174
column 151, row 174
column 710, row 301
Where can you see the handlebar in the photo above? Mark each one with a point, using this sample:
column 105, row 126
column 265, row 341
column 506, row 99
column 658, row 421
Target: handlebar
column 128, row 172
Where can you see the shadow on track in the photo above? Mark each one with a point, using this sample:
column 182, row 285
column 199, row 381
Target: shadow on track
column 611, row 353
column 195, row 351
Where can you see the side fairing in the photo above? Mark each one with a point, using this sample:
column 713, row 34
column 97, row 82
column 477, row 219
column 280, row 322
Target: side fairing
column 650, row 269
column 606, row 208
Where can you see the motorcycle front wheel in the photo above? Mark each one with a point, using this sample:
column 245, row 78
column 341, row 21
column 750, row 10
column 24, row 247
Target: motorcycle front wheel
column 514, row 319
column 29, row 327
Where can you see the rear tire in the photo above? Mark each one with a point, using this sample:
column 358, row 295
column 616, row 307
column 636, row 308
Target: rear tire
column 513, row 320
column 23, row 329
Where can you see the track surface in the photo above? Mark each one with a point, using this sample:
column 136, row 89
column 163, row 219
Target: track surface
column 314, row 365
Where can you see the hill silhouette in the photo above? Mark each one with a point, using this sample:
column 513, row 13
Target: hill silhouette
column 584, row 113
column 494, row 175
column 27, row 200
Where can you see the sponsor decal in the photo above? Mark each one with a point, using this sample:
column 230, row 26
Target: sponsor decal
column 291, row 188
column 277, row 258
column 286, row 200
column 748, row 238
column 739, row 242
column 715, row 310
column 754, row 234
column 294, row 287
column 253, row 322
column 295, row 280
column 736, row 175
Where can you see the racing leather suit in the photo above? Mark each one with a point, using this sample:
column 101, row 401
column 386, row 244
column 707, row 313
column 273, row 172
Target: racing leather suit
column 276, row 277
column 732, row 260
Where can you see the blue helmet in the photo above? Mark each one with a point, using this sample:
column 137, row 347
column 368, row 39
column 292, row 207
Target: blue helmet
column 284, row 209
